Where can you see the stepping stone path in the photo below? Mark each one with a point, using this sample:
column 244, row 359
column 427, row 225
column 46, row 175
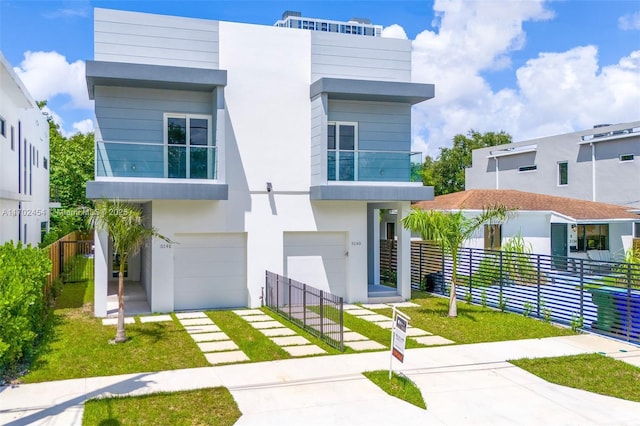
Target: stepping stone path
column 297, row 345
column 114, row 321
column 217, row 347
column 282, row 336
column 364, row 312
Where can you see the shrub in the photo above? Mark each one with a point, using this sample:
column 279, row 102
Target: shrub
column 24, row 310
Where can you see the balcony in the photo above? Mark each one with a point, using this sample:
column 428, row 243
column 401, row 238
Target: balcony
column 152, row 160
column 373, row 166
column 152, row 171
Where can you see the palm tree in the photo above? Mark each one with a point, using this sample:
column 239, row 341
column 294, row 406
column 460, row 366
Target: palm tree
column 123, row 222
column 451, row 230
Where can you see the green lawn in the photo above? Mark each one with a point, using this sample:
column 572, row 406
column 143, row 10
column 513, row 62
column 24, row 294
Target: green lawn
column 215, row 406
column 398, row 386
column 80, row 345
column 474, row 324
column 592, row 372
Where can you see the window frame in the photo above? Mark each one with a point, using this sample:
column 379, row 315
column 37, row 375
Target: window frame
column 566, row 173
column 489, row 236
column 337, row 149
column 528, row 168
column 626, row 160
column 3, row 127
column 187, row 145
column 583, row 241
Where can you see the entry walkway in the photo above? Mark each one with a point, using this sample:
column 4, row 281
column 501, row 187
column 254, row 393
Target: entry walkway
column 461, row 384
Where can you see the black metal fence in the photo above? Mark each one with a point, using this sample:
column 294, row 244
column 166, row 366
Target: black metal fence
column 599, row 296
column 76, row 260
column 317, row 311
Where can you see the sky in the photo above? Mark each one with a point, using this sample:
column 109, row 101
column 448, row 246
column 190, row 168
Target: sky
column 530, row 68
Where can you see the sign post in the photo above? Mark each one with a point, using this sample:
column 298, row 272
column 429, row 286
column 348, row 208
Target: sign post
column 398, row 337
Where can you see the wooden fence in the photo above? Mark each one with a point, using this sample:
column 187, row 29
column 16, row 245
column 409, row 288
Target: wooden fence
column 58, row 261
column 419, row 267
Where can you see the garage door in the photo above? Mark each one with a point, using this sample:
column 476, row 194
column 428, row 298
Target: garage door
column 210, row 271
column 317, row 259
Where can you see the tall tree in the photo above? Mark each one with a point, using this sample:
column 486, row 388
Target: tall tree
column 123, row 222
column 447, row 173
column 451, row 230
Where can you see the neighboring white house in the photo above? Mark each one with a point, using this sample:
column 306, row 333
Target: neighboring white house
column 254, row 148
column 600, row 164
column 552, row 225
column 24, row 162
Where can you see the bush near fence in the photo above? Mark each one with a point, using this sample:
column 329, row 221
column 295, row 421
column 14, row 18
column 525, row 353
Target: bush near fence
column 24, row 304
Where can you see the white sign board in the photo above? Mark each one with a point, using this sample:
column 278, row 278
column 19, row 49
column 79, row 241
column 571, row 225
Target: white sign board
column 399, row 338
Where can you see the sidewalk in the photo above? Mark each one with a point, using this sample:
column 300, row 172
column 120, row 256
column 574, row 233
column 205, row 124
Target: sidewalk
column 463, row 384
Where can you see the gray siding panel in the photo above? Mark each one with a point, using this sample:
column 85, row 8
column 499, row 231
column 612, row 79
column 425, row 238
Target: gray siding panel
column 136, row 115
column 345, row 56
column 381, row 126
column 316, row 139
column 155, row 39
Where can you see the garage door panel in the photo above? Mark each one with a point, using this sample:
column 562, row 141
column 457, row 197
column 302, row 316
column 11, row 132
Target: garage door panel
column 210, row 271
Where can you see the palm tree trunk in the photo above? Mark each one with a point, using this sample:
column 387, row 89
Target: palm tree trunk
column 121, row 336
column 453, row 307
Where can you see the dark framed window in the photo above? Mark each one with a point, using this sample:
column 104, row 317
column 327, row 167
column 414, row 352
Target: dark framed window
column 563, row 173
column 627, row 157
column 13, row 138
column 492, row 237
column 3, row 127
column 593, row 237
column 529, row 168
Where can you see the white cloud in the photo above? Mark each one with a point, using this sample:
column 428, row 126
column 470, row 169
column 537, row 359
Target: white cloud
column 630, row 21
column 556, row 92
column 48, row 74
column 394, row 31
column 84, row 126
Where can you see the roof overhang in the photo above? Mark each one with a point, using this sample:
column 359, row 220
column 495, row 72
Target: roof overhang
column 512, row 151
column 372, row 90
column 120, row 74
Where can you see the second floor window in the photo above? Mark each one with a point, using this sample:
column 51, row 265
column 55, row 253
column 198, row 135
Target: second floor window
column 342, row 144
column 563, row 173
column 189, row 152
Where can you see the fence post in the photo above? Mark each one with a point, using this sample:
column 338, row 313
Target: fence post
column 470, row 273
column 277, row 293
column 582, row 289
column 420, row 276
column 501, row 280
column 304, row 303
column 289, row 299
column 538, row 288
column 341, row 324
column 628, row 301
column 321, row 314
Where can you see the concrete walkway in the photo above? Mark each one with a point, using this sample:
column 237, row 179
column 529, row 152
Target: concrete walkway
column 463, row 384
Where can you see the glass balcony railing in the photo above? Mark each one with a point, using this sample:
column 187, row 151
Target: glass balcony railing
column 374, row 166
column 149, row 160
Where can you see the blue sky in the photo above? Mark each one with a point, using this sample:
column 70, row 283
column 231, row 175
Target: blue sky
column 531, row 68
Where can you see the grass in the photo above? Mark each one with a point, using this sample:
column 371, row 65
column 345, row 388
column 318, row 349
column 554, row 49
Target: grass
column 398, row 386
column 80, row 345
column 592, row 372
column 254, row 344
column 215, row 406
column 474, row 324
column 375, row 332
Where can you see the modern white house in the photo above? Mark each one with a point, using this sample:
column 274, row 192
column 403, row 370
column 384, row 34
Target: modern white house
column 355, row 26
column 24, row 162
column 553, row 225
column 599, row 164
column 253, row 148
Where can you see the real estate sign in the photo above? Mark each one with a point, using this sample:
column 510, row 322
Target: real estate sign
column 399, row 337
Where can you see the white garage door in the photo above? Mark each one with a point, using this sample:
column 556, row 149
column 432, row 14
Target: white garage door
column 210, row 271
column 317, row 259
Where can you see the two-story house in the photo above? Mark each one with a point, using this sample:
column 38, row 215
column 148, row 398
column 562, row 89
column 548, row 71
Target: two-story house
column 600, row 164
column 24, row 162
column 254, row 148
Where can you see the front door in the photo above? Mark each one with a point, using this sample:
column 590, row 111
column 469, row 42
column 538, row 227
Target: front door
column 559, row 245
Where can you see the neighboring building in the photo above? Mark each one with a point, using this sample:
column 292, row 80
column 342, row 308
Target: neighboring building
column 553, row 225
column 24, row 162
column 254, row 148
column 357, row 26
column 600, row 164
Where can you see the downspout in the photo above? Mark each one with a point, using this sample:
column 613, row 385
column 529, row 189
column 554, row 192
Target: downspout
column 497, row 173
column 593, row 172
